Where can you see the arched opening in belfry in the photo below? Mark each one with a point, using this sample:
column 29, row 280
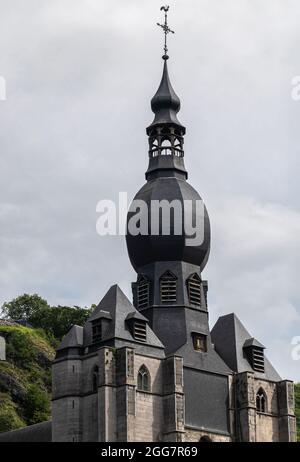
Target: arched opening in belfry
column 143, row 379
column 261, row 401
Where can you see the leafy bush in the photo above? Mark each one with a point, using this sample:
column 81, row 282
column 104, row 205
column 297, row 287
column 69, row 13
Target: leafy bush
column 25, row 378
column 9, row 417
column 26, row 347
column 37, row 405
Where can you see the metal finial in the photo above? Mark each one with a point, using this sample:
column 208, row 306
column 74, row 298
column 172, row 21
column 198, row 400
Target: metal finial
column 166, row 30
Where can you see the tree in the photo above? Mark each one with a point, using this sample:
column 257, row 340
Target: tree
column 56, row 321
column 26, row 307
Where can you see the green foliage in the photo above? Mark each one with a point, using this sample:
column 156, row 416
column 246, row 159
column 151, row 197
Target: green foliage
column 297, row 406
column 25, row 378
column 25, row 307
column 27, row 347
column 56, row 321
column 9, row 417
column 37, row 405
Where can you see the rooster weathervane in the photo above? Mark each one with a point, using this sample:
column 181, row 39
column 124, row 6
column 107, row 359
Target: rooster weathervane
column 166, row 29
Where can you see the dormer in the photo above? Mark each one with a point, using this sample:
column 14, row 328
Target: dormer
column 137, row 325
column 254, row 352
column 100, row 325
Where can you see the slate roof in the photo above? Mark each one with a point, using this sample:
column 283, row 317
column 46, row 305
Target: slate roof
column 136, row 315
column 253, row 343
column 229, row 337
column 165, row 103
column 117, row 307
column 208, row 362
column 38, row 433
column 74, row 338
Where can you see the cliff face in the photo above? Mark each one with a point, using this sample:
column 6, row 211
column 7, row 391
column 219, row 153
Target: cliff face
column 25, row 377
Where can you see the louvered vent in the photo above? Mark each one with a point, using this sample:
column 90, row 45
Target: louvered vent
column 139, row 331
column 168, row 288
column 258, row 359
column 143, row 292
column 194, row 290
column 97, row 331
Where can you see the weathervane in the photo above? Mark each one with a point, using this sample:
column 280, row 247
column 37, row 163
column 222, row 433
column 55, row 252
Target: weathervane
column 166, row 29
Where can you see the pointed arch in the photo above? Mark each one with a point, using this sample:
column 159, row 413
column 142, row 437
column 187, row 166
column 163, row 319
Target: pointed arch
column 143, row 379
column 168, row 288
column 261, row 401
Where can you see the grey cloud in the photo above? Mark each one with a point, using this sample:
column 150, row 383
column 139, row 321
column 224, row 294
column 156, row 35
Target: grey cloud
column 80, row 75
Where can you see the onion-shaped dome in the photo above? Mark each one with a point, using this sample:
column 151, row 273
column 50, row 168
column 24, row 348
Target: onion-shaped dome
column 146, row 249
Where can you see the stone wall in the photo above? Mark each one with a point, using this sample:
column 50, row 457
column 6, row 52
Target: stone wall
column 267, row 429
column 194, row 436
column 118, row 411
column 148, row 424
column 277, row 422
column 66, row 414
column 147, row 417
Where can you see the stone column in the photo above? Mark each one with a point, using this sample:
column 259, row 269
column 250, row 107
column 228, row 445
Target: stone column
column 107, row 395
column 286, row 411
column 245, row 407
column 125, row 399
column 231, row 407
column 173, row 399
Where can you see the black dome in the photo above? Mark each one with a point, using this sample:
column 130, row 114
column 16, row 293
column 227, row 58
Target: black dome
column 144, row 250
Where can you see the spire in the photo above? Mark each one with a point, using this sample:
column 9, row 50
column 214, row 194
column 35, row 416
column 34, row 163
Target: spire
column 166, row 132
column 165, row 103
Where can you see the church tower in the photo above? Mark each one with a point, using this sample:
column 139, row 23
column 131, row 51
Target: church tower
column 152, row 370
column 169, row 290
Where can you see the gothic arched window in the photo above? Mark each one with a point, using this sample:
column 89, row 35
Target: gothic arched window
column 95, row 378
column 261, row 401
column 194, row 289
column 168, row 288
column 143, row 379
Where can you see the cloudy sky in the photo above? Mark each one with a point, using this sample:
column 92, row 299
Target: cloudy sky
column 80, row 75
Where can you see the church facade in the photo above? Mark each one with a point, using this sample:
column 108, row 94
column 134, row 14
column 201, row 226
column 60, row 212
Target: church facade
column 151, row 369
